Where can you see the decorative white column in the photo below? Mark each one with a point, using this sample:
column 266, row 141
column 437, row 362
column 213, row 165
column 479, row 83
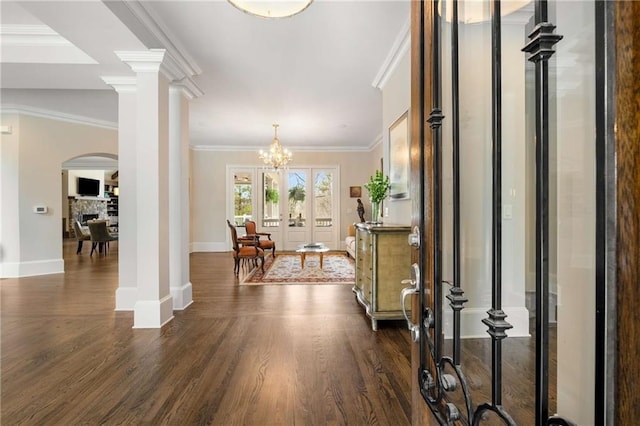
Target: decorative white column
column 179, row 96
column 154, row 305
column 127, row 292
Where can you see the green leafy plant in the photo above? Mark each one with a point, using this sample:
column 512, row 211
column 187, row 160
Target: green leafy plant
column 297, row 193
column 271, row 195
column 378, row 187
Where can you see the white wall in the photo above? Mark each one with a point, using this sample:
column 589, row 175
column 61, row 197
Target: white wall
column 208, row 186
column 396, row 100
column 31, row 168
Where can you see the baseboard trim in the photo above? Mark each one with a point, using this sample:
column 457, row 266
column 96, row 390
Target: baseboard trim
column 182, row 296
column 209, row 247
column 153, row 313
column 31, row 268
column 126, row 298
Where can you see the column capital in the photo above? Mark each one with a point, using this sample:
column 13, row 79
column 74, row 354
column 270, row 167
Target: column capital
column 186, row 87
column 121, row 84
column 152, row 60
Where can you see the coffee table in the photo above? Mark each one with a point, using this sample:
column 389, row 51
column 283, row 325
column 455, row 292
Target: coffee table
column 316, row 248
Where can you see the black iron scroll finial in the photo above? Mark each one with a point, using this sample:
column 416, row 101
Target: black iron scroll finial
column 542, row 41
column 435, row 118
column 497, row 323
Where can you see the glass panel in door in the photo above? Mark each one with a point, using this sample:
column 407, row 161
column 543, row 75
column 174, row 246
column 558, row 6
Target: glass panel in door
column 242, row 197
column 573, row 216
column 271, row 215
column 324, row 207
column 501, row 168
column 298, row 230
column 271, row 203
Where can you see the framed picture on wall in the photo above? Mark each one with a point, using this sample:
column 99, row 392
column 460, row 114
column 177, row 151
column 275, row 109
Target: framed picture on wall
column 355, row 191
column 399, row 158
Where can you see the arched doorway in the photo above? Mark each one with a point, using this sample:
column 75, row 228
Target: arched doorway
column 90, row 190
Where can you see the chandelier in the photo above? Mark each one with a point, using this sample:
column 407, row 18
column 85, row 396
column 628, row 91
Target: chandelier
column 277, row 156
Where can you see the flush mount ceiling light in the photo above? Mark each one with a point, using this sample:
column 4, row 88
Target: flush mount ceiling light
column 273, row 8
column 476, row 11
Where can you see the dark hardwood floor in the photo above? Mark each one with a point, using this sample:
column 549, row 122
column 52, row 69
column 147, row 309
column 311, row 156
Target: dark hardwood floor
column 273, row 355
column 246, row 355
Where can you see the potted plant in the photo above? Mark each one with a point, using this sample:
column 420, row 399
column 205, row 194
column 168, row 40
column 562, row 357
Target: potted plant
column 378, row 188
column 271, row 195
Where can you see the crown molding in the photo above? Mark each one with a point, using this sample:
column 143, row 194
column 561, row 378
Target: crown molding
column 159, row 33
column 187, row 87
column 58, row 116
column 400, row 46
column 152, row 60
column 122, row 84
column 293, row 149
column 31, row 35
column 377, row 141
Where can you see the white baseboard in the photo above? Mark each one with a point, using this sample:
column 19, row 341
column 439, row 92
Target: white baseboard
column 182, row 296
column 153, row 313
column 31, row 268
column 126, row 298
column 472, row 326
column 210, row 247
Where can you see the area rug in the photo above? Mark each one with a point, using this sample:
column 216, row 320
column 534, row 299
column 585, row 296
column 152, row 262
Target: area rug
column 286, row 268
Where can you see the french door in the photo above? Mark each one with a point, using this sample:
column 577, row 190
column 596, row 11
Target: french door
column 311, row 211
column 296, row 206
column 504, row 142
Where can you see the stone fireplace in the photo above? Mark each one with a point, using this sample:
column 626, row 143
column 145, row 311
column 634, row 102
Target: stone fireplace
column 83, row 210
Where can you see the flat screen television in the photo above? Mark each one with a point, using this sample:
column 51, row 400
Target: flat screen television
column 88, row 186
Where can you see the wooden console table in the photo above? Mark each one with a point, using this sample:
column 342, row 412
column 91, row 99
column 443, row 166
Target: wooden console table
column 383, row 260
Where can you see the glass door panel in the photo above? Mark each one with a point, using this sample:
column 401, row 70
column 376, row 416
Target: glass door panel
column 513, row 301
column 298, row 230
column 271, row 216
column 323, row 199
column 242, row 197
column 325, row 209
column 573, row 181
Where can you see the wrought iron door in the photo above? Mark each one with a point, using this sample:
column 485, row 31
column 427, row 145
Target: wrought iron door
column 496, row 187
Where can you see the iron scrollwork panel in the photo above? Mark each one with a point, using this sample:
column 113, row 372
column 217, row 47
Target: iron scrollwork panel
column 442, row 376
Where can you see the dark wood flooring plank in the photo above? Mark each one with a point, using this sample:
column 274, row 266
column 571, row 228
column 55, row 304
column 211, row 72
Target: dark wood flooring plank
column 272, row 355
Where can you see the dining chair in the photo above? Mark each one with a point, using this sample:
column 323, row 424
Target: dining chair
column 100, row 235
column 81, row 236
column 264, row 244
column 245, row 248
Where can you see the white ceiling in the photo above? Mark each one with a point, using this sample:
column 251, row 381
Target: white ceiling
column 311, row 73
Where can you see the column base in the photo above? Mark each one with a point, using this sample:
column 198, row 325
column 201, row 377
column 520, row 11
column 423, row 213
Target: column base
column 182, row 296
column 126, row 298
column 153, row 313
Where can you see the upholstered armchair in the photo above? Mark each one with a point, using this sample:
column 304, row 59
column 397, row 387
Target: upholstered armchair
column 264, row 243
column 245, row 248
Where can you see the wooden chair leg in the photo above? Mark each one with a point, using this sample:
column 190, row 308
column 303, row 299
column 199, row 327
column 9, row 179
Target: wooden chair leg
column 93, row 247
column 79, row 247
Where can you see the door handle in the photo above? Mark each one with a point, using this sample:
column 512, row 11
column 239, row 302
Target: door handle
column 413, row 288
column 414, row 237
